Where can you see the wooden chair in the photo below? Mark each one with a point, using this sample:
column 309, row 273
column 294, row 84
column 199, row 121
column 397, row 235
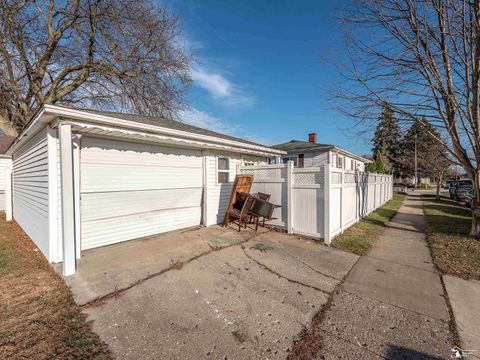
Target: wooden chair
column 241, row 215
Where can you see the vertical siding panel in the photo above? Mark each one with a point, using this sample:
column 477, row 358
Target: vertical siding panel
column 30, row 190
column 4, row 165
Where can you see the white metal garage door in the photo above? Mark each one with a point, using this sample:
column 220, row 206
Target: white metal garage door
column 130, row 190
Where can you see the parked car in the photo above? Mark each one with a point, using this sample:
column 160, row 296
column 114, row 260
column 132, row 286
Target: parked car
column 449, row 183
column 463, row 188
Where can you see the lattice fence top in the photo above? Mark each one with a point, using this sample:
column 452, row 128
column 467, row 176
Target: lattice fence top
column 349, row 178
column 309, row 178
column 265, row 173
column 336, row 178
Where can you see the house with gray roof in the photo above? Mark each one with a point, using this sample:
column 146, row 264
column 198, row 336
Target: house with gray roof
column 310, row 153
column 83, row 179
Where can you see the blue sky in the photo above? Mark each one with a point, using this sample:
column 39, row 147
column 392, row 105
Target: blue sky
column 259, row 72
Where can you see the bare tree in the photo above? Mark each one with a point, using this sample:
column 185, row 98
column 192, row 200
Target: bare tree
column 423, row 58
column 123, row 54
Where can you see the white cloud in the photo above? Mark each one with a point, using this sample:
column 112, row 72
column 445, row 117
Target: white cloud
column 217, row 85
column 204, row 120
column 220, row 88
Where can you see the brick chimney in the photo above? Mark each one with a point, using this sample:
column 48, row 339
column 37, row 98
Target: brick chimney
column 312, row 137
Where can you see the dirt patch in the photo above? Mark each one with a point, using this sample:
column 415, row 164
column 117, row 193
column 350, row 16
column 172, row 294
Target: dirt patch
column 38, row 317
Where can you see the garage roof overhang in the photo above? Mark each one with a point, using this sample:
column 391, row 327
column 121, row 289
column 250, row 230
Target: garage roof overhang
column 101, row 125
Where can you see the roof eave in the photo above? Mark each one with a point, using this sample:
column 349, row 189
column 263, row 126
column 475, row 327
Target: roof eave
column 352, row 155
column 49, row 112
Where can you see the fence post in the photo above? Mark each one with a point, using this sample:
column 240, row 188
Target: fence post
column 289, row 197
column 326, row 205
column 8, row 195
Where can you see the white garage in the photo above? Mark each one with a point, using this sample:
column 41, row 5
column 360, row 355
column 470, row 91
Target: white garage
column 112, row 177
column 130, row 190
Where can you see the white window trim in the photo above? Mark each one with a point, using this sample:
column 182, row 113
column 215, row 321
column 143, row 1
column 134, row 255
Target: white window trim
column 340, row 159
column 225, row 171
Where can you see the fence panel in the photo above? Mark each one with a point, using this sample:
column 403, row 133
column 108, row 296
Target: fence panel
column 308, row 201
column 271, row 179
column 319, row 201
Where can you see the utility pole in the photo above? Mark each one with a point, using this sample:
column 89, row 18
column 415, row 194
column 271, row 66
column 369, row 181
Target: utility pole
column 416, row 179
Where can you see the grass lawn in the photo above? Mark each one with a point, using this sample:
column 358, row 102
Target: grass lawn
column 360, row 238
column 448, row 226
column 38, row 317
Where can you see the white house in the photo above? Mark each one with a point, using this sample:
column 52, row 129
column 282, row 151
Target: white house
column 84, row 178
column 310, row 153
column 5, row 165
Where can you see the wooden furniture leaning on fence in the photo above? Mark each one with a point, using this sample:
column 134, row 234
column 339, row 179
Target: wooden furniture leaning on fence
column 241, row 184
column 261, row 208
column 240, row 210
column 264, row 197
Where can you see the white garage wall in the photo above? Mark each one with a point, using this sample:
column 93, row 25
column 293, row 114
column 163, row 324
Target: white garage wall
column 4, row 165
column 130, row 190
column 218, row 195
column 30, row 190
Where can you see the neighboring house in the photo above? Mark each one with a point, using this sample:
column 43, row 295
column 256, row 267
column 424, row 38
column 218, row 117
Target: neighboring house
column 5, row 163
column 85, row 178
column 310, row 153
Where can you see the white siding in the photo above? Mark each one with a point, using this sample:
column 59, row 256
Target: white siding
column 4, row 164
column 314, row 159
column 320, row 158
column 130, row 190
column 30, row 190
column 346, row 162
column 219, row 194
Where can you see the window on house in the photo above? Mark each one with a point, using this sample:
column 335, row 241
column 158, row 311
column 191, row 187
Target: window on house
column 352, row 164
column 339, row 162
column 301, row 158
column 290, row 158
column 223, row 170
column 248, row 163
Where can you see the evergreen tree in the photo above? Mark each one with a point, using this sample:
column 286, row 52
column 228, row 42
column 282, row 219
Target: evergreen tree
column 378, row 164
column 432, row 158
column 387, row 138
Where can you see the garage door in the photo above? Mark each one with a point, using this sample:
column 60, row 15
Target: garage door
column 130, row 190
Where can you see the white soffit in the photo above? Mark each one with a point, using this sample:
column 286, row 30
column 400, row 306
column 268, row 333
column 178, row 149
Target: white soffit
column 106, row 131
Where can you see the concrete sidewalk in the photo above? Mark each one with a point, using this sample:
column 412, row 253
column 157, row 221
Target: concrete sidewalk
column 464, row 296
column 392, row 304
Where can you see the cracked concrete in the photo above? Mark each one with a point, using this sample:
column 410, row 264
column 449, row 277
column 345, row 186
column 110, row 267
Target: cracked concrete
column 109, row 269
column 392, row 304
column 247, row 299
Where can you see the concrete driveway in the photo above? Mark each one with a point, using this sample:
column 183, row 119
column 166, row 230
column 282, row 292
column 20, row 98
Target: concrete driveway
column 209, row 293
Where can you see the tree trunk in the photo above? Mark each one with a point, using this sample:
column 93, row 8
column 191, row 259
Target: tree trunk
column 437, row 195
column 475, row 230
column 6, row 127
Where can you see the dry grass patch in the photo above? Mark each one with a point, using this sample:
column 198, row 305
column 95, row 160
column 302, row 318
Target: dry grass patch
column 38, row 317
column 448, row 226
column 360, row 238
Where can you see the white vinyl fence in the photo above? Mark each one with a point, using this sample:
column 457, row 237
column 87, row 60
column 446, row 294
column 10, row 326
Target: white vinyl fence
column 319, row 201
